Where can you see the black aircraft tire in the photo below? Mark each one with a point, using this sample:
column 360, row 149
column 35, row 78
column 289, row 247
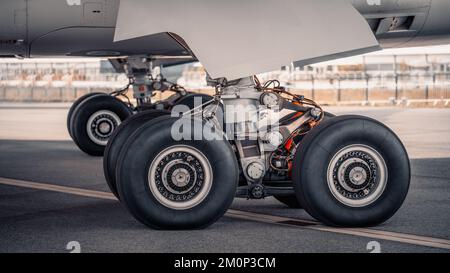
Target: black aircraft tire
column 102, row 115
column 206, row 187
column 191, row 99
column 351, row 171
column 75, row 105
column 117, row 141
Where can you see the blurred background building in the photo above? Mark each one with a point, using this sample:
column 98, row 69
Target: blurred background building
column 402, row 77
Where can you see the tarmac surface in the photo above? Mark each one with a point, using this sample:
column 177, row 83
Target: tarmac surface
column 52, row 194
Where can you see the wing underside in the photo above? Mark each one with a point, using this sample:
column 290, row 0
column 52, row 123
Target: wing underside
column 239, row 38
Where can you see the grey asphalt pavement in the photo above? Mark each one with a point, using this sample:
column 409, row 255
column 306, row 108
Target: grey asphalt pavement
column 34, row 146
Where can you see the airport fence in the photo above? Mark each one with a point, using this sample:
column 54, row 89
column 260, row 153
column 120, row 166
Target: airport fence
column 394, row 89
column 397, row 89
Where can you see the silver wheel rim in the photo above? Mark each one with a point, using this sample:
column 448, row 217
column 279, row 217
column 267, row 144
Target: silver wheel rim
column 101, row 125
column 357, row 175
column 180, row 177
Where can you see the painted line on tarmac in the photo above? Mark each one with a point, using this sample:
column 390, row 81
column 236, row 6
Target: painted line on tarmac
column 56, row 188
column 360, row 232
column 258, row 217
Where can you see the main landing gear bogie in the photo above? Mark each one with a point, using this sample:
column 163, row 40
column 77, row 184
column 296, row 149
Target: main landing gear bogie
column 348, row 171
column 93, row 118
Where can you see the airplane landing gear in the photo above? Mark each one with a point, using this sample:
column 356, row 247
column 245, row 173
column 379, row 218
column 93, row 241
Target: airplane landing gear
column 93, row 118
column 182, row 172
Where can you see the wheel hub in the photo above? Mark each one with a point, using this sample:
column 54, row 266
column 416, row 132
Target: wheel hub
column 357, row 175
column 180, row 177
column 101, row 125
column 104, row 128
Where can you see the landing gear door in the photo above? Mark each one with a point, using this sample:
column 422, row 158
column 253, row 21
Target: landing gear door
column 236, row 39
column 13, row 28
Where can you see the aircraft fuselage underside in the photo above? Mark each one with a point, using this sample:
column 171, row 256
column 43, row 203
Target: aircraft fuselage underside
column 35, row 28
